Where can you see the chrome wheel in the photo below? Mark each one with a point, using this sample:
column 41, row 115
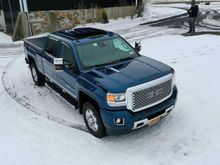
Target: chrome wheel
column 34, row 74
column 38, row 78
column 91, row 120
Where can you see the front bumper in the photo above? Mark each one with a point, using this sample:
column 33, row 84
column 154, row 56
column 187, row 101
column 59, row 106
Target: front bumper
column 136, row 120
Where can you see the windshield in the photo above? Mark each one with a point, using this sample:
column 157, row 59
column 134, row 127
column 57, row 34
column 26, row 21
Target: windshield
column 100, row 53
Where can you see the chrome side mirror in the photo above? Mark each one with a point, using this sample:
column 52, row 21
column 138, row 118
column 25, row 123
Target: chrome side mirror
column 58, row 64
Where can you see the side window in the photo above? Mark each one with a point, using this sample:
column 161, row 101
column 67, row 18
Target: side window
column 52, row 47
column 67, row 55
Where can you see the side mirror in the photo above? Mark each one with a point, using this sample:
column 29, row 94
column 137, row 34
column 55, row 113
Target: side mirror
column 75, row 70
column 71, row 66
column 138, row 46
column 58, row 64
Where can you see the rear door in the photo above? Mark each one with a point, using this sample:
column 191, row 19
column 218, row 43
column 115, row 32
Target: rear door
column 67, row 77
column 51, row 52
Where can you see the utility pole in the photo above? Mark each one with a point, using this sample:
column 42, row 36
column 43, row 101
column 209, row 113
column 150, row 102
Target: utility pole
column 25, row 9
column 25, row 6
column 21, row 5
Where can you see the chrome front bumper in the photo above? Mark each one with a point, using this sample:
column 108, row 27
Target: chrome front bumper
column 145, row 122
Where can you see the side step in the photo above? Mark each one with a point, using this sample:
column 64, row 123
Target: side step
column 70, row 100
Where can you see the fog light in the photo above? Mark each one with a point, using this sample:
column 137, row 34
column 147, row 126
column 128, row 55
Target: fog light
column 119, row 121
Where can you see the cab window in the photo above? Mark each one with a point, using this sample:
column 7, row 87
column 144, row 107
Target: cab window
column 52, row 47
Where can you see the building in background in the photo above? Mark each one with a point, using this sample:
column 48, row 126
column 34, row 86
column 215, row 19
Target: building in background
column 10, row 8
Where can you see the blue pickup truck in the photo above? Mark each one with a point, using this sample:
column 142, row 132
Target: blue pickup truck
column 115, row 88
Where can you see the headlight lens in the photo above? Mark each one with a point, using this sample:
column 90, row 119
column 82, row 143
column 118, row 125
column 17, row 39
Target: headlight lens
column 116, row 99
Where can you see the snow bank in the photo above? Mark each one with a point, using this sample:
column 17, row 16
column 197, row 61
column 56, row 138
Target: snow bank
column 5, row 38
column 153, row 12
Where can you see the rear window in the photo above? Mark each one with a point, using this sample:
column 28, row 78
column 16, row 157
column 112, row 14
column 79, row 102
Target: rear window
column 39, row 42
column 52, row 47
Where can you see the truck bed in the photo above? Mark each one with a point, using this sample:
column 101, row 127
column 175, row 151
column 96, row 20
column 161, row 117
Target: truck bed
column 39, row 42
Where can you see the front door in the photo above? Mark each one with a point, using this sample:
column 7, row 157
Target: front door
column 67, row 77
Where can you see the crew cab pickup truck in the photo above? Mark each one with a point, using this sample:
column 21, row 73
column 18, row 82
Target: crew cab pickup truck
column 115, row 88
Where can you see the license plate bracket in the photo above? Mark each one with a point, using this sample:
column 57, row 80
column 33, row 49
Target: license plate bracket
column 153, row 121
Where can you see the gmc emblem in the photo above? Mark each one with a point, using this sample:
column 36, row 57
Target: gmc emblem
column 154, row 93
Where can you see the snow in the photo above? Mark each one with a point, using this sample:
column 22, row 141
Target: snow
column 152, row 13
column 213, row 6
column 5, row 38
column 212, row 22
column 36, row 124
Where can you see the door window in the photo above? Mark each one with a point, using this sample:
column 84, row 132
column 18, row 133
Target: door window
column 67, row 55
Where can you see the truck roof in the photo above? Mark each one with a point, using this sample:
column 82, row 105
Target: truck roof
column 82, row 33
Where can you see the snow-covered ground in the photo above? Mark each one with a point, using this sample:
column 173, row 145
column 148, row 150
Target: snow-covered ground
column 36, row 124
column 5, row 38
column 151, row 13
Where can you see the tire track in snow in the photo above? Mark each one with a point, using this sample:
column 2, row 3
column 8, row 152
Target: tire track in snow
column 139, row 32
column 10, row 50
column 23, row 102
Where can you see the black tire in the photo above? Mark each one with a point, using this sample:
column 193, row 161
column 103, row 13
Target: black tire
column 89, row 108
column 38, row 78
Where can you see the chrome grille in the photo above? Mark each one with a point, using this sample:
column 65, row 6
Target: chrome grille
column 152, row 95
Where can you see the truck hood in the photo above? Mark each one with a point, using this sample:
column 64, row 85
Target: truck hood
column 118, row 77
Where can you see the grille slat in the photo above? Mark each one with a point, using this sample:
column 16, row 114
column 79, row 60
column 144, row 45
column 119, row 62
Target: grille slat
column 150, row 95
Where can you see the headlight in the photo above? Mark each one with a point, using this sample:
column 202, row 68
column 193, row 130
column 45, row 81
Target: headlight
column 116, row 99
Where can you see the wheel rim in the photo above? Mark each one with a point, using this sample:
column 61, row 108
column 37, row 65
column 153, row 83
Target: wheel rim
column 34, row 74
column 91, row 120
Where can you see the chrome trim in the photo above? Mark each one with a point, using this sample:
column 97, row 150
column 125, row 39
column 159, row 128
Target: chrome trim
column 91, row 119
column 63, row 88
column 116, row 104
column 146, row 121
column 115, row 70
column 60, row 97
column 158, row 81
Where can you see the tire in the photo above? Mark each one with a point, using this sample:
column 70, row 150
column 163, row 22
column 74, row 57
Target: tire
column 38, row 78
column 93, row 120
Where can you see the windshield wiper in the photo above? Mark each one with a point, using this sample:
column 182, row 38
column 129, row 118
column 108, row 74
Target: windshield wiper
column 122, row 59
column 99, row 65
